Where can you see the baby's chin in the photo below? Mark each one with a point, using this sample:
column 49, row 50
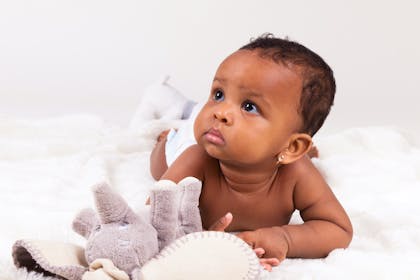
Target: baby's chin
column 223, row 155
column 215, row 151
column 211, row 149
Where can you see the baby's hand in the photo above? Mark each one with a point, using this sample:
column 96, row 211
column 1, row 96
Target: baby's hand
column 267, row 263
column 225, row 221
column 273, row 240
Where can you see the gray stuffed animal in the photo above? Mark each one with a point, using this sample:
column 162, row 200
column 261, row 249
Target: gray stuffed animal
column 122, row 245
column 130, row 240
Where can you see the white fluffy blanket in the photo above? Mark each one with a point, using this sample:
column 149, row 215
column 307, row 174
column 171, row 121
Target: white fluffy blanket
column 48, row 166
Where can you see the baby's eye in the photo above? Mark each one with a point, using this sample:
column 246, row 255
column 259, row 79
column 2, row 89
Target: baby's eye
column 250, row 107
column 218, row 95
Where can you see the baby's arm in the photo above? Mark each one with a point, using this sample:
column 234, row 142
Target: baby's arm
column 190, row 163
column 326, row 225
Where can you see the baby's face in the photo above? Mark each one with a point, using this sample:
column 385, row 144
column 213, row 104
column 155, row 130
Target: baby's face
column 252, row 110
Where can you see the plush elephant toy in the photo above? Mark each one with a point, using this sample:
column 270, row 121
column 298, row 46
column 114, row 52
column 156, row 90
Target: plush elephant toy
column 128, row 240
column 121, row 245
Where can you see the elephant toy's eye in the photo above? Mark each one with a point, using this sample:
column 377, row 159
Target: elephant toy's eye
column 123, row 225
column 98, row 228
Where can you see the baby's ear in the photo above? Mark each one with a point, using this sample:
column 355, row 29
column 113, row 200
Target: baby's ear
column 299, row 145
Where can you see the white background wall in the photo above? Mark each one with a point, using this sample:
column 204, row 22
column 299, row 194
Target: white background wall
column 87, row 56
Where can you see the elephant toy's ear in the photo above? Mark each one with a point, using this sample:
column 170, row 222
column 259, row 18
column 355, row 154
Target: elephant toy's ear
column 111, row 206
column 85, row 222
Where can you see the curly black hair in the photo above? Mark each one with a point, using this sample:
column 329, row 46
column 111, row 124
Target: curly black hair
column 318, row 88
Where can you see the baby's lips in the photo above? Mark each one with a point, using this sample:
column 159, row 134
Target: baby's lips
column 214, row 136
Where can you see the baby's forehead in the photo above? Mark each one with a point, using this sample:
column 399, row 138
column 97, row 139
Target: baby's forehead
column 259, row 54
column 260, row 61
column 249, row 68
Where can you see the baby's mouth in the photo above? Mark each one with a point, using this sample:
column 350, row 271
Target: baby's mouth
column 214, row 136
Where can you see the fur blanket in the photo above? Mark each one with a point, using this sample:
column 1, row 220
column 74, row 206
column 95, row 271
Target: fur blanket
column 47, row 167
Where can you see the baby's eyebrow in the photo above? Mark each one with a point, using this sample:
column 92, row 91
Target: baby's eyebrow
column 258, row 96
column 220, row 80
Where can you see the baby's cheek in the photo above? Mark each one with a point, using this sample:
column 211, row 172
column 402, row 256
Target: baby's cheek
column 197, row 130
column 202, row 123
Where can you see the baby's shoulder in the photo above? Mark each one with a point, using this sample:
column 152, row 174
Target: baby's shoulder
column 302, row 174
column 192, row 162
column 308, row 181
column 302, row 167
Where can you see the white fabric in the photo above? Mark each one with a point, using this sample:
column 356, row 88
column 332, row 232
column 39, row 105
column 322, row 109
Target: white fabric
column 160, row 100
column 47, row 167
column 210, row 255
column 182, row 138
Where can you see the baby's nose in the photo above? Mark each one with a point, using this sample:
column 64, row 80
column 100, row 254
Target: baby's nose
column 223, row 115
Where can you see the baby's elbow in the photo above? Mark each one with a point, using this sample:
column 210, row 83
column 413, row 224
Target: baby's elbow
column 347, row 235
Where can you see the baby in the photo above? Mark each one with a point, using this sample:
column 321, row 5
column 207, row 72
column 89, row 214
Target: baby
column 266, row 102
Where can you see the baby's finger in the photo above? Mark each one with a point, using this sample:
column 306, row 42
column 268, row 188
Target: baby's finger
column 163, row 135
column 266, row 266
column 259, row 252
column 222, row 223
column 270, row 261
